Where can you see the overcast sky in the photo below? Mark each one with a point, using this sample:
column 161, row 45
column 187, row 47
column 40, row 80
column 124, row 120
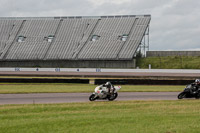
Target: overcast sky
column 175, row 24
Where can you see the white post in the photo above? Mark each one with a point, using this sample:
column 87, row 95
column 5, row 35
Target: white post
column 149, row 66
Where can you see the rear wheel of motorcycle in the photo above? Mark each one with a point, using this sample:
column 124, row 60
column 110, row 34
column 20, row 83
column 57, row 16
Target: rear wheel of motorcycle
column 181, row 95
column 111, row 98
column 197, row 96
column 92, row 97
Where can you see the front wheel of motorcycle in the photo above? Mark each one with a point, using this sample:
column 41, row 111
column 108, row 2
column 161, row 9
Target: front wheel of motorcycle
column 181, row 95
column 111, row 98
column 92, row 97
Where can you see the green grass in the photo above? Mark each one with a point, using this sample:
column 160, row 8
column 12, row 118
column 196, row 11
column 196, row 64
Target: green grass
column 172, row 62
column 180, row 116
column 7, row 88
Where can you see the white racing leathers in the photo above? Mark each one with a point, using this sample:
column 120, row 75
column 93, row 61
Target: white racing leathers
column 101, row 92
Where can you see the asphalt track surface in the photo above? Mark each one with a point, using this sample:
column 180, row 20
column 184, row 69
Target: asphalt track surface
column 83, row 97
column 44, row 98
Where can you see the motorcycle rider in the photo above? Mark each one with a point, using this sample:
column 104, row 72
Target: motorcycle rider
column 195, row 86
column 110, row 88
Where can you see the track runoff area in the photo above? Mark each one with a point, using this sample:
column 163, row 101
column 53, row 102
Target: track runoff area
column 80, row 97
column 83, row 97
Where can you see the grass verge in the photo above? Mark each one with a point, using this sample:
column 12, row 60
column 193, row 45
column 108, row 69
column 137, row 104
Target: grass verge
column 170, row 62
column 181, row 116
column 69, row 88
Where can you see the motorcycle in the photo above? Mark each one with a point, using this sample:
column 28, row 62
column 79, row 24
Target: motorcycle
column 101, row 93
column 188, row 93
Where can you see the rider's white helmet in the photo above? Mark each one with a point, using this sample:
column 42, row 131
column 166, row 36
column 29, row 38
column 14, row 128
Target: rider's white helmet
column 197, row 81
column 108, row 84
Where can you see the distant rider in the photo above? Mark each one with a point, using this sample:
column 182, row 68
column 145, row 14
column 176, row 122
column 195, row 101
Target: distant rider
column 196, row 86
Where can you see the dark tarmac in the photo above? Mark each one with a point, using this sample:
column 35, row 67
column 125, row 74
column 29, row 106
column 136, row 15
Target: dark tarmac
column 44, row 98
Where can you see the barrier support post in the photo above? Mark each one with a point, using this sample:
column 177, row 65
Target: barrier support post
column 92, row 81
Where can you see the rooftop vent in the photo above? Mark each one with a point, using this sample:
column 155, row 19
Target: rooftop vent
column 94, row 38
column 49, row 38
column 21, row 38
column 123, row 37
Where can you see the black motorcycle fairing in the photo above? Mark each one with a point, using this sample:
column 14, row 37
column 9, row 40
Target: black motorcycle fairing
column 189, row 92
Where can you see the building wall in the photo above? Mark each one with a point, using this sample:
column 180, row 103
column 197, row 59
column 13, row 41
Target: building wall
column 172, row 53
column 70, row 64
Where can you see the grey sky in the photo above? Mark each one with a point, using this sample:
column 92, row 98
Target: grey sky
column 175, row 24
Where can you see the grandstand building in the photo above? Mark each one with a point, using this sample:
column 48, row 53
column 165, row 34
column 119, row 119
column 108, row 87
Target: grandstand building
column 88, row 42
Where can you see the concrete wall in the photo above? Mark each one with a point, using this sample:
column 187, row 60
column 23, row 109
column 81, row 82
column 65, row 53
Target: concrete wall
column 172, row 53
column 98, row 81
column 70, row 64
